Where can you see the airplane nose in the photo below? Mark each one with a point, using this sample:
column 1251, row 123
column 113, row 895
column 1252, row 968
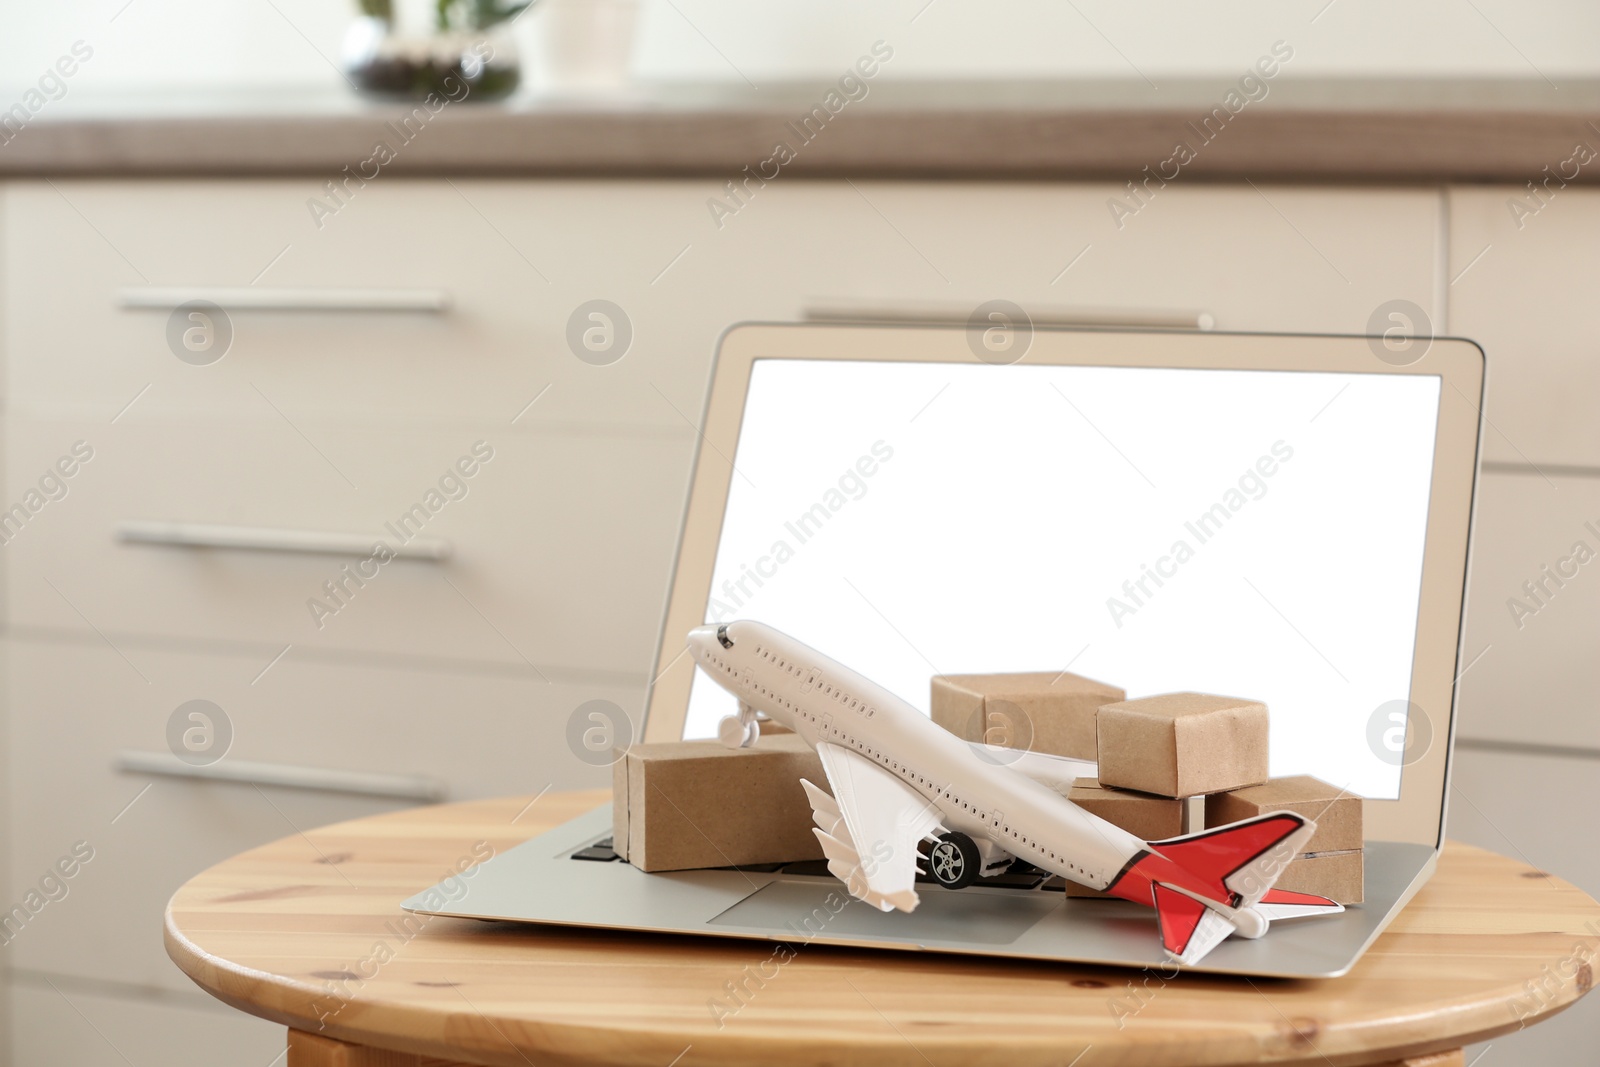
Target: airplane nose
column 702, row 639
column 708, row 642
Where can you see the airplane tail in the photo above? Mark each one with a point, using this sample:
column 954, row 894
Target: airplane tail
column 1230, row 872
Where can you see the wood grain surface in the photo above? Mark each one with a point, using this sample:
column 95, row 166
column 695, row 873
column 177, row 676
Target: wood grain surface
column 308, row 931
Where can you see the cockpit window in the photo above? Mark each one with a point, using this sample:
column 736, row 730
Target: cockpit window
column 722, row 637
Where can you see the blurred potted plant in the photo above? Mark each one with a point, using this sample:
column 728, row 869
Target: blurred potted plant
column 469, row 55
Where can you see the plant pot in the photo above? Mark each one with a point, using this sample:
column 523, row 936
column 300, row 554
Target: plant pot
column 455, row 66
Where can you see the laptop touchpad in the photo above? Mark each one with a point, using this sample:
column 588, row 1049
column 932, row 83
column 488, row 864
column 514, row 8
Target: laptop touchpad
column 813, row 909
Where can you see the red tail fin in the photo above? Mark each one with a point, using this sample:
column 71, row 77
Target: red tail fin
column 1239, row 862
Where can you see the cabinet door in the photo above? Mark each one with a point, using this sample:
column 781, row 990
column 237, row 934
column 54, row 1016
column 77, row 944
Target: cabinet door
column 72, row 1025
column 74, row 708
column 1521, row 288
column 1533, row 613
column 1534, row 809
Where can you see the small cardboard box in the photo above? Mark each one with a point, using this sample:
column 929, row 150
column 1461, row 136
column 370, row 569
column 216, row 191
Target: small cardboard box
column 1148, row 817
column 683, row 805
column 1336, row 812
column 1182, row 744
column 1048, row 711
column 1335, row 875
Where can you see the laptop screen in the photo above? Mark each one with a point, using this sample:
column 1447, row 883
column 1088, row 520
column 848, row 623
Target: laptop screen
column 1250, row 533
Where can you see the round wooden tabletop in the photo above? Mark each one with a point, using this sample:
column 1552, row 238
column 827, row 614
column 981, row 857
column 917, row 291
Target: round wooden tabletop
column 308, row 932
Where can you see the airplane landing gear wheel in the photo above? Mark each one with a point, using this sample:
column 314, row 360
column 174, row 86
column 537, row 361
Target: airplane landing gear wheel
column 953, row 860
column 734, row 732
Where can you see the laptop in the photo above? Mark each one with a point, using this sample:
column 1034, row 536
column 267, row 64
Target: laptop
column 1282, row 517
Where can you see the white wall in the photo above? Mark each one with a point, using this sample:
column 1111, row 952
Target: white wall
column 151, row 43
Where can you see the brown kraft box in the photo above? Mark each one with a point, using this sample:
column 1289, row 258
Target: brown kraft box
column 1336, row 812
column 1150, row 818
column 1046, row 711
column 1335, row 875
column 1182, row 744
column 683, row 805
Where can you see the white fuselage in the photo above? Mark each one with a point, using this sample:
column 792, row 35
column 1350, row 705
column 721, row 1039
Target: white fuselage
column 826, row 702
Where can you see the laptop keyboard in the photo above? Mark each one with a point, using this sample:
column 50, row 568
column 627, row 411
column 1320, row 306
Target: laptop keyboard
column 1019, row 875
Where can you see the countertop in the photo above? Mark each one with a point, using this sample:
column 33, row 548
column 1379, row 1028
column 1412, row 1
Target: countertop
column 1353, row 129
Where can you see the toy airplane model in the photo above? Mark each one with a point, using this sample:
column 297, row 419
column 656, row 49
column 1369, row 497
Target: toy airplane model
column 899, row 779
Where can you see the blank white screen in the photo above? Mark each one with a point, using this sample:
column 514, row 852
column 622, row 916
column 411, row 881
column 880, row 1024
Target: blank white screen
column 1007, row 506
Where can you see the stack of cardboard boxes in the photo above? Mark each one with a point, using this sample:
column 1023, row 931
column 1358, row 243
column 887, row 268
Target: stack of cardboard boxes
column 1168, row 765
column 1331, row 864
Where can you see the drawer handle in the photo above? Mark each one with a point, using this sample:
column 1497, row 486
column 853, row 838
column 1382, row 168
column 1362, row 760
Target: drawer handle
column 269, row 539
column 431, row 301
column 933, row 313
column 286, row 776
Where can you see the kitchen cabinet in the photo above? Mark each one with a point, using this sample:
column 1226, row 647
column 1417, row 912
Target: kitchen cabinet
column 337, row 373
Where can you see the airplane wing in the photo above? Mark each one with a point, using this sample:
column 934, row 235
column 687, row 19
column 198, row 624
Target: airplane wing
column 1056, row 772
column 870, row 828
column 1284, row 904
column 1189, row 927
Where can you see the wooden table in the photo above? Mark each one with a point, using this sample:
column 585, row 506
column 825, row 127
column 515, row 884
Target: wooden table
column 307, row 932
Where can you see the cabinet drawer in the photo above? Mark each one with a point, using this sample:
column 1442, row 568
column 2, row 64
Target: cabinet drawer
column 74, row 707
column 77, row 348
column 1277, row 259
column 317, row 318
column 49, row 1027
column 519, row 259
column 1534, row 612
column 559, row 546
column 1527, row 301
